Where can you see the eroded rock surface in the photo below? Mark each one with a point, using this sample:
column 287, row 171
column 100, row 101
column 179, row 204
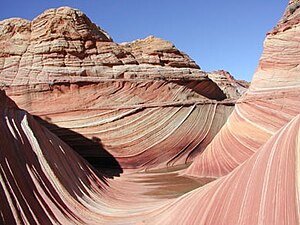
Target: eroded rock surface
column 64, row 45
column 134, row 98
column 231, row 87
column 245, row 173
column 272, row 100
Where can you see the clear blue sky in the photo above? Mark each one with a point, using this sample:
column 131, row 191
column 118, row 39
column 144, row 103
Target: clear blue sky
column 220, row 34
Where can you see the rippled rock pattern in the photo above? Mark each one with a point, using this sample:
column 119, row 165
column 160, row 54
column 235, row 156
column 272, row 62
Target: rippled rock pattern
column 130, row 99
column 163, row 155
column 272, row 100
column 63, row 45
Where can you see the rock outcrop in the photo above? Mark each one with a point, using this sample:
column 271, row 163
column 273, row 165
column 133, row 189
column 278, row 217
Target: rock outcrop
column 246, row 172
column 63, row 45
column 231, row 87
column 156, row 51
column 263, row 190
column 42, row 180
column 135, row 98
column 272, row 100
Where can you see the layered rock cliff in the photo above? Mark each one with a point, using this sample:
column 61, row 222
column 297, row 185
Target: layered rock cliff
column 246, row 172
column 272, row 100
column 63, row 45
column 134, row 98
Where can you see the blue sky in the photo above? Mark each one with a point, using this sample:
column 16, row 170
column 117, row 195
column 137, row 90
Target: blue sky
column 219, row 34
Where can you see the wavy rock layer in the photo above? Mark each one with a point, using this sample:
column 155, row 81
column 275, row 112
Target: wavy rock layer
column 42, row 179
column 39, row 173
column 272, row 100
column 60, row 187
column 263, row 190
column 129, row 100
column 133, row 121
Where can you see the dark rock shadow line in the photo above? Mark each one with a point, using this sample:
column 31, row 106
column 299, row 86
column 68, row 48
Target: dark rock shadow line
column 91, row 150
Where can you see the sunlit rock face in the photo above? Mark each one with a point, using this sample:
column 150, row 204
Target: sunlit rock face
column 263, row 190
column 42, row 180
column 272, row 100
column 244, row 173
column 156, row 51
column 64, row 45
column 231, row 87
column 145, row 102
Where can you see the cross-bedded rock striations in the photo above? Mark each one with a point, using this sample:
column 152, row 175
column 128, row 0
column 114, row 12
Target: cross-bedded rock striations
column 272, row 100
column 142, row 122
column 135, row 98
column 231, row 87
column 63, row 44
column 263, row 190
column 42, row 180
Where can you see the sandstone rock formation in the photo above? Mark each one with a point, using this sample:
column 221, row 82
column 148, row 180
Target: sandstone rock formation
column 263, row 190
column 63, row 45
column 43, row 181
column 246, row 172
column 272, row 100
column 131, row 99
column 156, row 51
column 231, row 87
column 38, row 172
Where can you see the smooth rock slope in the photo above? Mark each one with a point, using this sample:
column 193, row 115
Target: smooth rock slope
column 185, row 166
column 129, row 100
column 272, row 100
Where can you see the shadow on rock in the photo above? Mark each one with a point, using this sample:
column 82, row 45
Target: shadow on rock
column 90, row 149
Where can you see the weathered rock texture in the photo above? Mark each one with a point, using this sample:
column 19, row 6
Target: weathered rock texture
column 263, row 190
column 231, row 87
column 272, row 100
column 254, row 158
column 43, row 181
column 156, row 51
column 133, row 99
column 63, row 45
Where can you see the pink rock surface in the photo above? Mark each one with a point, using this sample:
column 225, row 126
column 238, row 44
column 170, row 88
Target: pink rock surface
column 60, row 187
column 39, row 174
column 254, row 159
column 272, row 100
column 133, row 120
column 231, row 87
column 263, row 190
column 134, row 98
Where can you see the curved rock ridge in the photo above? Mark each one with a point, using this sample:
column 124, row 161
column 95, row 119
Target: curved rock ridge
column 41, row 179
column 64, row 45
column 263, row 190
column 44, row 181
column 133, row 120
column 135, row 99
column 272, row 100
